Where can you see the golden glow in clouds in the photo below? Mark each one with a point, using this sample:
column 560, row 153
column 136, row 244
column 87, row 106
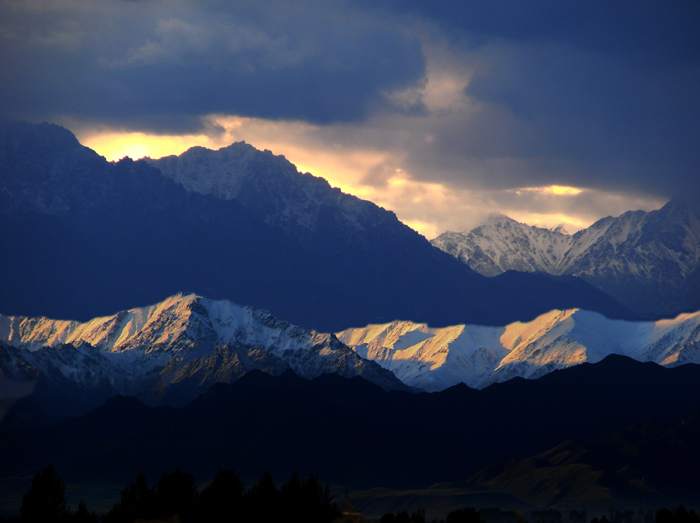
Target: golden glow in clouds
column 556, row 190
column 346, row 157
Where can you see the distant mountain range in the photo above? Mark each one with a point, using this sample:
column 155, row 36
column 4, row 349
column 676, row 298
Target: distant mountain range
column 649, row 261
column 83, row 237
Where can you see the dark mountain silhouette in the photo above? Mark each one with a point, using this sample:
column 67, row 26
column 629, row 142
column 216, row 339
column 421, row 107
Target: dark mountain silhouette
column 352, row 432
column 653, row 464
column 84, row 237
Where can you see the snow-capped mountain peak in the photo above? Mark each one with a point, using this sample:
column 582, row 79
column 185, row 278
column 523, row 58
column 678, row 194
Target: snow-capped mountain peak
column 561, row 228
column 437, row 358
column 649, row 261
column 266, row 183
column 177, row 323
column 184, row 338
column 501, row 244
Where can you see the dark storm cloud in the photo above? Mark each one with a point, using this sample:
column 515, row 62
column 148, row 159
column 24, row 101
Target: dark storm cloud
column 162, row 65
column 646, row 29
column 597, row 94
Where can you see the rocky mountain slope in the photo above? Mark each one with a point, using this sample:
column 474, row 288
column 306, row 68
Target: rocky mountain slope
column 648, row 261
column 438, row 358
column 169, row 352
column 83, row 237
column 270, row 186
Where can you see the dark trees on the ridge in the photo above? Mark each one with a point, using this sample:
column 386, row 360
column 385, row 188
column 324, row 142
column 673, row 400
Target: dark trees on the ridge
column 464, row 515
column 46, row 499
column 135, row 499
column 224, row 499
column 404, row 517
column 175, row 493
column 308, row 497
column 82, row 515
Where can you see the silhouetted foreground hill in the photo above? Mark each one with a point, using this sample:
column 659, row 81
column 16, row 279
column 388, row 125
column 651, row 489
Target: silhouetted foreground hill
column 652, row 464
column 351, row 432
column 83, row 237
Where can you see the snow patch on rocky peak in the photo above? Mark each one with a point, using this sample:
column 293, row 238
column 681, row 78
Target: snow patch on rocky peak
column 183, row 337
column 266, row 183
column 177, row 323
column 478, row 356
column 501, row 244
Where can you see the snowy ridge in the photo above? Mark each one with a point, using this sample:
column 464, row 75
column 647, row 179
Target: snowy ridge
column 650, row 262
column 185, row 338
column 264, row 182
column 434, row 359
column 180, row 322
column 502, row 244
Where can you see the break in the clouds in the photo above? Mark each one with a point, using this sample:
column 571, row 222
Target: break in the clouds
column 547, row 111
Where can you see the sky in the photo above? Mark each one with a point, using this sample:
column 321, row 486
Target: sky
column 550, row 112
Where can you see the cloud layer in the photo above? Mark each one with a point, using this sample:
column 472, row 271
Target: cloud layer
column 441, row 111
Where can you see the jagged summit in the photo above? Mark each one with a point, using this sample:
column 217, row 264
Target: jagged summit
column 561, row 229
column 497, row 217
column 501, row 244
column 223, row 172
column 181, row 322
column 268, row 184
column 650, row 261
column 172, row 351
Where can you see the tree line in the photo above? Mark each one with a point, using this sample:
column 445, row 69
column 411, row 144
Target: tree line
column 175, row 496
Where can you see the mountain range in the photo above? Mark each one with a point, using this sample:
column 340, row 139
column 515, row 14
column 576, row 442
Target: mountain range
column 361, row 352
column 171, row 352
column 433, row 359
column 84, row 237
column 649, row 261
column 165, row 354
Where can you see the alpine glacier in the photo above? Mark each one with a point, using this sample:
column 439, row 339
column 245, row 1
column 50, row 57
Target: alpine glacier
column 434, row 359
